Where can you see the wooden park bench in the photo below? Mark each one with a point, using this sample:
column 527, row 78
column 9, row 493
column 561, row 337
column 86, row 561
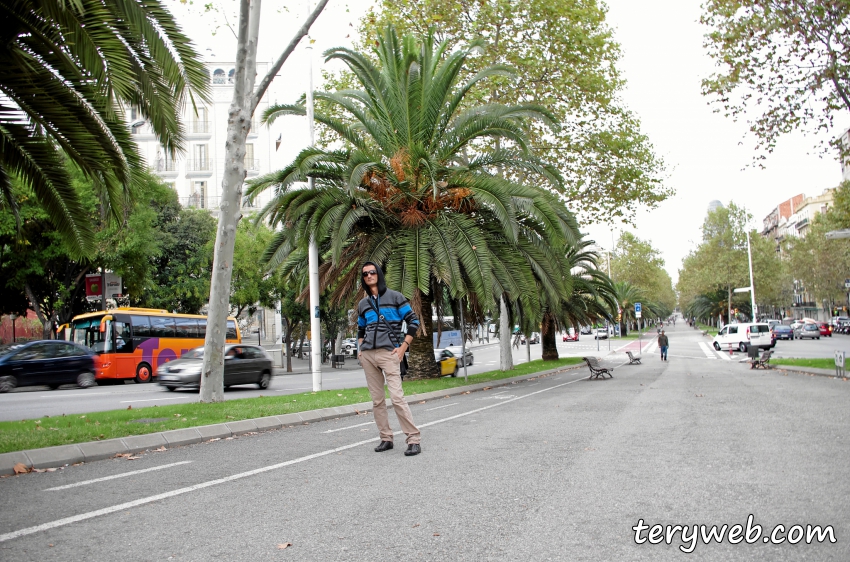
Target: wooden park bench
column 596, row 370
column 762, row 361
column 632, row 359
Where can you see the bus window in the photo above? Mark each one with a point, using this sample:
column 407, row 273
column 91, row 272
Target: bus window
column 202, row 327
column 187, row 327
column 123, row 341
column 162, row 327
column 231, row 330
column 141, row 326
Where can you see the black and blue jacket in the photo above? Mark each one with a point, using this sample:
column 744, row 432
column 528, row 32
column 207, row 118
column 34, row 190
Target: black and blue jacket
column 393, row 306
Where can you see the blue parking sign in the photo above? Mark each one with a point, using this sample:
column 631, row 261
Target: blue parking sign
column 637, row 307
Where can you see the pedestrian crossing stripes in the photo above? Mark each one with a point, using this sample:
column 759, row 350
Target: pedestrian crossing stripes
column 709, row 353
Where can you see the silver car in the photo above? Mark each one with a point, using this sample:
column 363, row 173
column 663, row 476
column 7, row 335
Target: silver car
column 243, row 364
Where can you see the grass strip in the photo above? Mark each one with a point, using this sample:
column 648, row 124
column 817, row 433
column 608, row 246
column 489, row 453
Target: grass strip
column 79, row 428
column 799, row 362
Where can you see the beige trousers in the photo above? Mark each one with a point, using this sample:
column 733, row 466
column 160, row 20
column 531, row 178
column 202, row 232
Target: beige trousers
column 375, row 361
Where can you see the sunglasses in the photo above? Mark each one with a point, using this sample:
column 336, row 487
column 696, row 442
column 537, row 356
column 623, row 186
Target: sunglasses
column 368, row 273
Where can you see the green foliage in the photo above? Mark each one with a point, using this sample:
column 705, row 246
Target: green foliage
column 180, row 273
column 69, row 68
column 250, row 280
column 787, row 60
column 818, row 264
column 411, row 192
column 641, row 266
column 564, row 58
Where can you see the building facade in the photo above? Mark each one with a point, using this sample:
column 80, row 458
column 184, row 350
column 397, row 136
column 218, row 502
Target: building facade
column 197, row 174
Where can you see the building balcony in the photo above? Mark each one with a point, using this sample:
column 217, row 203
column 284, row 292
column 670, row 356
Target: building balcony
column 252, row 166
column 196, row 201
column 804, row 304
column 199, row 167
column 200, row 128
column 164, row 167
column 255, row 128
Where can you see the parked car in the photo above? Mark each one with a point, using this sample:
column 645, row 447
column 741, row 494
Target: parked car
column 447, row 361
column 46, row 362
column 825, row 329
column 743, row 335
column 457, row 351
column 783, row 332
column 601, row 334
column 243, row 364
column 586, row 330
column 807, row 330
column 571, row 335
column 349, row 344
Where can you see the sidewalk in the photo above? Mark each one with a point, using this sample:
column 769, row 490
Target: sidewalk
column 64, row 455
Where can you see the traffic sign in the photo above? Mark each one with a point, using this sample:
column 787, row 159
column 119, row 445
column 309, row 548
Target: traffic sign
column 847, row 283
column 637, row 307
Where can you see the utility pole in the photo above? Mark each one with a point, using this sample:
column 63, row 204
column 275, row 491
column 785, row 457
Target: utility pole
column 752, row 284
column 313, row 251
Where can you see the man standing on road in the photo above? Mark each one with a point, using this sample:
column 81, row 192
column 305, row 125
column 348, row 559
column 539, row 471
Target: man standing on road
column 379, row 317
column 663, row 344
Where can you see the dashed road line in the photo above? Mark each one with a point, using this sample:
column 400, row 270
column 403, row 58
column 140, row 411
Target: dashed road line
column 114, row 476
column 439, row 407
column 349, row 427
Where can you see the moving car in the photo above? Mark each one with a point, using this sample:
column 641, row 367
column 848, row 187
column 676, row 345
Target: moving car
column 243, row 364
column 457, row 351
column 601, row 334
column 535, row 338
column 825, row 329
column 586, row 330
column 571, row 335
column 783, row 332
column 447, row 361
column 743, row 335
column 46, row 362
column 808, row 330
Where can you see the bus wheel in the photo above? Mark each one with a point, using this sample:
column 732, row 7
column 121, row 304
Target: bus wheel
column 143, row 373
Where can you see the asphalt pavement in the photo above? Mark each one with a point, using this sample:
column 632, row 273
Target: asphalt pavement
column 557, row 468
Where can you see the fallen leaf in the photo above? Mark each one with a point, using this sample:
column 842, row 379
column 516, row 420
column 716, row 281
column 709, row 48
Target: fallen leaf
column 415, row 526
column 178, row 415
column 133, row 458
column 122, row 455
column 356, row 412
column 21, row 468
column 284, row 546
column 130, row 407
column 161, row 449
column 436, row 534
column 339, row 394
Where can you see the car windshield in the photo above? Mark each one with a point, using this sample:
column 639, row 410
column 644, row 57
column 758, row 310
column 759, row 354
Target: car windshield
column 811, row 327
column 197, row 353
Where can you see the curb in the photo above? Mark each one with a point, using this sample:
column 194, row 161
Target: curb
column 802, row 371
column 63, row 455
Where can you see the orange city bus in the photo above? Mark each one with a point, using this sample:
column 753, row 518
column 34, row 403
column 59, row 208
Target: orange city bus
column 131, row 343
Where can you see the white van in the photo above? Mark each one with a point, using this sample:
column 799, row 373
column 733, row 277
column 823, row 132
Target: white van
column 741, row 336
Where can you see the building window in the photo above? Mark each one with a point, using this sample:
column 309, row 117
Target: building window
column 201, row 163
column 199, row 195
column 249, row 156
column 218, row 76
column 201, row 123
column 231, row 75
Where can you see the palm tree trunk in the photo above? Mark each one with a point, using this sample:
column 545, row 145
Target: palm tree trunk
column 547, row 337
column 421, row 363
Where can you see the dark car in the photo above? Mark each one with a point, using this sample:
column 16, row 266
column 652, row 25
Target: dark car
column 783, row 332
column 46, row 362
column 243, row 364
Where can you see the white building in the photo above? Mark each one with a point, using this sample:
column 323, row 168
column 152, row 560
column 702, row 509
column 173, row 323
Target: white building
column 197, row 174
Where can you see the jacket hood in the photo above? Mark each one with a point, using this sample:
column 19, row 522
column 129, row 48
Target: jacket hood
column 382, row 285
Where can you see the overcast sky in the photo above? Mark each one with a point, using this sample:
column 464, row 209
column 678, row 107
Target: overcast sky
column 663, row 62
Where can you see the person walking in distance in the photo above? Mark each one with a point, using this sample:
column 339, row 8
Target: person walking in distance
column 379, row 317
column 663, row 344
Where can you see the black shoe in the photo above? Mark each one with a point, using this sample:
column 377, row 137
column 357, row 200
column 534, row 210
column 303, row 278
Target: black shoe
column 384, row 446
column 413, row 449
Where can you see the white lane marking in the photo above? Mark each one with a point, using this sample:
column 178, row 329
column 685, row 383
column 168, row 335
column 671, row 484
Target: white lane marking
column 77, row 395
column 180, row 491
column 150, row 400
column 289, row 389
column 723, row 355
column 113, row 477
column 651, row 346
column 690, row 356
column 446, row 406
column 349, row 427
column 707, row 350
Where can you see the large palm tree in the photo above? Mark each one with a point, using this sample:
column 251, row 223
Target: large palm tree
column 591, row 299
column 420, row 188
column 68, row 67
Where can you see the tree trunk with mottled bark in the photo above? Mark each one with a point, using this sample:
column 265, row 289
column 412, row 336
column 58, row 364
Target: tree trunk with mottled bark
column 421, row 362
column 506, row 357
column 548, row 337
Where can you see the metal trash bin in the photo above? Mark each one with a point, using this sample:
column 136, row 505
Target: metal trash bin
column 753, row 351
column 337, row 360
